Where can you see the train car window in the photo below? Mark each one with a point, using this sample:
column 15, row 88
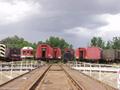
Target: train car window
column 43, row 49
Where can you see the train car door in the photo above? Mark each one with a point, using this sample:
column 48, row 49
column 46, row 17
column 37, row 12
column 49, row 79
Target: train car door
column 55, row 53
column 81, row 54
column 43, row 52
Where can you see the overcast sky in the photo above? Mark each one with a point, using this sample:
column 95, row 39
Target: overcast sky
column 77, row 21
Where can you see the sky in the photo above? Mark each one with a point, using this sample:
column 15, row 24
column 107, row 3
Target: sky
column 77, row 21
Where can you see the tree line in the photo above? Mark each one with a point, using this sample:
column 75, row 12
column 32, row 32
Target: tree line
column 99, row 42
column 18, row 42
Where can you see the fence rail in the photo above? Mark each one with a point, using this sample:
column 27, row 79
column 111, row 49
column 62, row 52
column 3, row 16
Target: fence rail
column 19, row 65
column 93, row 67
column 99, row 68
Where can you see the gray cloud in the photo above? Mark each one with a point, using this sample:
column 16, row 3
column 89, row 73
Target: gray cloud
column 86, row 6
column 57, row 16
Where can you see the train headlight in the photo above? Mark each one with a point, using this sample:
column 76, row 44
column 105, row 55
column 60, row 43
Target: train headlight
column 59, row 57
column 77, row 57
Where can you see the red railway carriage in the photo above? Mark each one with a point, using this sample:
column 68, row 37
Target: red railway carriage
column 57, row 53
column 80, row 53
column 93, row 53
column 89, row 54
column 44, row 52
column 27, row 53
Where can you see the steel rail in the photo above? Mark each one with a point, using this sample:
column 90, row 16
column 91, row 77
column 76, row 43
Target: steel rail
column 17, row 77
column 36, row 83
column 78, row 86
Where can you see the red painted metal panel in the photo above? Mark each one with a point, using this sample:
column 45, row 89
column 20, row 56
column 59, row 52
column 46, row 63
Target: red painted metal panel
column 27, row 53
column 57, row 53
column 48, row 51
column 93, row 53
column 80, row 53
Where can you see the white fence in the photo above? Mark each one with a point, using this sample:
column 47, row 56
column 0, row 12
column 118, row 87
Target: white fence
column 99, row 68
column 95, row 67
column 21, row 66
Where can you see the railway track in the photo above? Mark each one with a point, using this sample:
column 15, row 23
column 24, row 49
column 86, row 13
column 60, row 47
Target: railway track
column 49, row 80
column 54, row 77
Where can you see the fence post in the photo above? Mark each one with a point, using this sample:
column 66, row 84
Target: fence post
column 76, row 64
column 99, row 72
column 90, row 69
column 31, row 65
column 21, row 67
column 118, row 79
column 11, row 69
column 25, row 65
column 0, row 72
column 84, row 67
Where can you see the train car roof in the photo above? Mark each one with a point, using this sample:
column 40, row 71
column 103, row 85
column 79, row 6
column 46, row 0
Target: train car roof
column 27, row 48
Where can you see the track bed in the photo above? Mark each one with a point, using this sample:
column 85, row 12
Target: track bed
column 56, row 79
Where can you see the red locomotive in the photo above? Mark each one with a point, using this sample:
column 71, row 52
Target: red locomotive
column 44, row 52
column 57, row 53
column 27, row 53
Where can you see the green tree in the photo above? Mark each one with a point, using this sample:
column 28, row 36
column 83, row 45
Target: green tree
column 116, row 43
column 94, row 41
column 40, row 42
column 15, row 41
column 108, row 45
column 98, row 42
column 58, row 42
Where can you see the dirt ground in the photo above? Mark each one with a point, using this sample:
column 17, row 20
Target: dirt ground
column 51, row 80
column 55, row 79
column 8, row 75
column 106, row 77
